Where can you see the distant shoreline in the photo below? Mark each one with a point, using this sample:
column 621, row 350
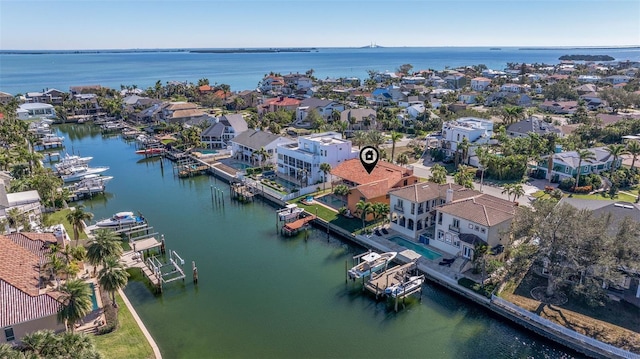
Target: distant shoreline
column 579, row 48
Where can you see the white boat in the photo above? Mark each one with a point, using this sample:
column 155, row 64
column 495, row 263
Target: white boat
column 120, row 219
column 51, row 138
column 370, row 263
column 407, row 286
column 77, row 173
column 69, row 161
column 291, row 211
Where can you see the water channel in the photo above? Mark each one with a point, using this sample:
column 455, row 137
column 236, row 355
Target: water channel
column 264, row 296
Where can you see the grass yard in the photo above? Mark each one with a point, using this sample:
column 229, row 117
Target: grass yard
column 329, row 215
column 127, row 341
column 616, row 323
column 60, row 216
column 596, row 196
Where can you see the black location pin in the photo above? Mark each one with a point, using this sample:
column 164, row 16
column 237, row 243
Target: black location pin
column 369, row 157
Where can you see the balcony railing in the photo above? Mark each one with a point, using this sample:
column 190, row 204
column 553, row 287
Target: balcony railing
column 453, row 228
column 398, row 208
column 420, row 210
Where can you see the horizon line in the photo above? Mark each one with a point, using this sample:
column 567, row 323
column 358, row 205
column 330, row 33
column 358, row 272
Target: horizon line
column 559, row 47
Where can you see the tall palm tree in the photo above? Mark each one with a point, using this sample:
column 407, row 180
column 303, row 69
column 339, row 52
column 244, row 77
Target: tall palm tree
column 380, row 210
column 105, row 244
column 77, row 218
column 262, row 155
column 112, row 277
column 403, row 159
column 395, row 137
column 464, row 176
column 375, row 138
column 633, row 148
column 360, row 138
column 438, row 174
column 583, row 155
column 616, row 150
column 325, row 168
column 76, row 302
column 517, row 191
column 363, row 208
column 508, row 190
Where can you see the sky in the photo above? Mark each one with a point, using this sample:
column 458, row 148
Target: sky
column 147, row 24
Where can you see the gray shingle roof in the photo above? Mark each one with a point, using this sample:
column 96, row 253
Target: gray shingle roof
column 236, row 121
column 255, row 139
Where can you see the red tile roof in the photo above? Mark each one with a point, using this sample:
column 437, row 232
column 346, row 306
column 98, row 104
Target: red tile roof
column 19, row 267
column 16, row 306
column 204, row 88
column 352, row 171
column 374, row 189
column 36, row 243
column 282, row 101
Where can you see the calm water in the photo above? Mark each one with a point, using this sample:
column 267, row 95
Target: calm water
column 265, row 296
column 20, row 73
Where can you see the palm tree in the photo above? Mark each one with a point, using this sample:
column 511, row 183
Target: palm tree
column 375, row 138
column 364, row 208
column 464, row 176
column 483, row 161
column 104, row 245
column 262, row 155
column 517, row 191
column 438, row 174
column 77, row 218
column 633, row 148
column 582, row 156
column 616, row 150
column 380, row 210
column 325, row 168
column 38, row 342
column 76, row 302
column 462, row 150
column 360, row 138
column 113, row 277
column 403, row 159
column 508, row 190
column 395, row 137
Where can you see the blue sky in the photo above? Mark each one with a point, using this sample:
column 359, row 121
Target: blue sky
column 89, row 24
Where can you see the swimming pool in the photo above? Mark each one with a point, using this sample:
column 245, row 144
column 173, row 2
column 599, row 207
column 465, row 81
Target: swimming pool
column 208, row 152
column 94, row 299
column 422, row 250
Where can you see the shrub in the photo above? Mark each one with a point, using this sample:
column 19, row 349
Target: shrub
column 583, row 189
column 567, row 183
column 110, row 314
column 548, row 189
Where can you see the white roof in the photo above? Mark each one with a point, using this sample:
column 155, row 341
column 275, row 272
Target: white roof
column 35, row 106
column 26, row 197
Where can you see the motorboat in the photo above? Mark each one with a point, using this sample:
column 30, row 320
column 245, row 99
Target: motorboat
column 151, row 151
column 407, row 286
column 77, row 173
column 371, row 262
column 90, row 184
column 120, row 219
column 51, row 138
column 69, row 161
column 291, row 211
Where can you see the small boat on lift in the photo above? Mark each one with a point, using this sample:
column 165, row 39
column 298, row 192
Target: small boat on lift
column 371, row 262
column 407, row 286
column 120, row 219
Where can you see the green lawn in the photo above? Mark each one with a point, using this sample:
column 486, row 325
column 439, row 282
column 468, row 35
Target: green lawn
column 127, row 341
column 349, row 224
column 61, row 217
column 620, row 197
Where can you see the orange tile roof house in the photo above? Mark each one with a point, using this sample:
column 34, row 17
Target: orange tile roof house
column 372, row 187
column 278, row 103
column 24, row 306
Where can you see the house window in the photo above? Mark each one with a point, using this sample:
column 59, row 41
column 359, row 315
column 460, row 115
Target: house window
column 413, row 208
column 8, row 333
column 566, row 170
column 456, row 223
column 439, row 218
column 483, row 230
column 440, row 235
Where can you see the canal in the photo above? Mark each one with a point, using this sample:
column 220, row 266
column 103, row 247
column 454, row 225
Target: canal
column 264, row 296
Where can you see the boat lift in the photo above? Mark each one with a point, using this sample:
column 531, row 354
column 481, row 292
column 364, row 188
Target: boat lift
column 169, row 271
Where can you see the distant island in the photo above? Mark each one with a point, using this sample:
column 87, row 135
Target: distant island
column 586, row 57
column 251, row 51
column 495, row 49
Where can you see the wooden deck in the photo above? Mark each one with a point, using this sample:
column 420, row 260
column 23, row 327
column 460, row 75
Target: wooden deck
column 292, row 228
column 393, row 276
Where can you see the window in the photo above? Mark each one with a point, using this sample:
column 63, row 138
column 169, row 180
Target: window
column 483, row 230
column 8, row 333
column 456, row 223
column 477, row 228
column 439, row 218
column 440, row 235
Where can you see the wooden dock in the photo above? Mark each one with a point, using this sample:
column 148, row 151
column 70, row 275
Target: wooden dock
column 389, row 278
column 241, row 192
column 292, row 228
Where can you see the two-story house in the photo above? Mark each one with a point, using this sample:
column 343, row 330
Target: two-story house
column 324, row 107
column 272, row 83
column 476, row 131
column 525, row 127
column 302, row 160
column 371, row 187
column 181, row 112
column 278, row 103
column 245, row 146
column 413, row 207
column 565, row 164
column 226, row 128
column 479, row 220
column 28, row 111
column 480, row 83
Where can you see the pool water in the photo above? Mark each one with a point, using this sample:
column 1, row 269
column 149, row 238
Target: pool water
column 422, row 250
column 208, row 152
column 94, row 299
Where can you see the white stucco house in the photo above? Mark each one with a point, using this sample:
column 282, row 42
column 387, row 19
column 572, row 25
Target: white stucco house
column 34, row 110
column 248, row 142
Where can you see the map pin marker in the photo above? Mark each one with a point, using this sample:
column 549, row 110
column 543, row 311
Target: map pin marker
column 369, row 157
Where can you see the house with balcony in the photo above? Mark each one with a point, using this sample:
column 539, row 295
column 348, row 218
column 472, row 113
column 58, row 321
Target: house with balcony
column 27, row 203
column 476, row 131
column 302, row 160
column 272, row 83
column 373, row 187
column 277, row 104
column 246, row 144
column 479, row 220
column 28, row 111
column 413, row 208
column 527, row 126
column 325, row 108
column 480, row 83
column 359, row 118
column 565, row 164
column 27, row 304
column 226, row 128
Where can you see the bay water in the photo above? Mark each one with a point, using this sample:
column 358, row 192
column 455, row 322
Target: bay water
column 23, row 71
column 261, row 295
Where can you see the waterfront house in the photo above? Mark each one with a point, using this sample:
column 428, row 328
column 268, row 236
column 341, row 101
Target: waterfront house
column 85, row 89
column 301, row 161
column 476, row 131
column 325, row 108
column 5, row 98
column 272, row 83
column 246, row 144
column 372, row 187
column 359, row 118
column 28, row 111
column 413, row 207
column 525, row 127
column 565, row 164
column 27, row 203
column 479, row 220
column 173, row 112
column 225, row 128
column 50, row 96
column 25, row 305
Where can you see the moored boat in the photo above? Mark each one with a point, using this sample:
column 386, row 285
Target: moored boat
column 79, row 172
column 407, row 286
column 120, row 219
column 151, row 151
column 69, row 161
column 371, row 263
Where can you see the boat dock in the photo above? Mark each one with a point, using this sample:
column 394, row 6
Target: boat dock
column 292, row 228
column 393, row 277
column 241, row 192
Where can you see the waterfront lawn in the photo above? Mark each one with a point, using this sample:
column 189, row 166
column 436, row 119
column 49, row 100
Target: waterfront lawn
column 329, row 215
column 616, row 323
column 50, row 219
column 127, row 341
column 476, row 287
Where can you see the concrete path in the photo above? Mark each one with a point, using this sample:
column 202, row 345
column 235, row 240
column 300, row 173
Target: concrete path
column 152, row 342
